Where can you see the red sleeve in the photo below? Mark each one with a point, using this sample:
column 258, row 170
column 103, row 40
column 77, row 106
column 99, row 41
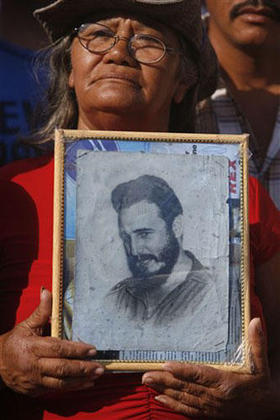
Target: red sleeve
column 264, row 220
column 26, row 190
column 21, row 167
column 18, row 248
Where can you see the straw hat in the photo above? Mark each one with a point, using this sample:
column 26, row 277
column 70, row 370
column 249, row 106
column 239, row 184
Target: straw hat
column 184, row 16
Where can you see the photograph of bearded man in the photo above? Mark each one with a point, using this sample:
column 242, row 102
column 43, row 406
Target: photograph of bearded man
column 166, row 279
column 149, row 266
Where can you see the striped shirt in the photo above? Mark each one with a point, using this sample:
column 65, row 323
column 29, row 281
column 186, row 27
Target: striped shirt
column 221, row 114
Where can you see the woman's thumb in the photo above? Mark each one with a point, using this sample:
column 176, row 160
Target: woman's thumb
column 40, row 317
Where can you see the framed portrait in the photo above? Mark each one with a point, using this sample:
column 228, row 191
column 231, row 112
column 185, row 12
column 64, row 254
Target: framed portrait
column 151, row 251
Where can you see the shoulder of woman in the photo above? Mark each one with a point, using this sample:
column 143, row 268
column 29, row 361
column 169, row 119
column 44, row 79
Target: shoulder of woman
column 24, row 168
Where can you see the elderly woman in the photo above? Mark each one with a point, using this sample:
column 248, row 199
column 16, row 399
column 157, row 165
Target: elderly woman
column 119, row 65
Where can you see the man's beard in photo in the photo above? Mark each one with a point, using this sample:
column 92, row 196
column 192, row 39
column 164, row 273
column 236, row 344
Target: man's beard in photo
column 168, row 255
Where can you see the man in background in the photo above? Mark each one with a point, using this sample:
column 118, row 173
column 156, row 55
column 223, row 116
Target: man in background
column 246, row 38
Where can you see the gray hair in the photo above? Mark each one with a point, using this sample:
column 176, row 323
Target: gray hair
column 59, row 108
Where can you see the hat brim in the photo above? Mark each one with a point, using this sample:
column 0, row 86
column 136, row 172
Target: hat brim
column 61, row 16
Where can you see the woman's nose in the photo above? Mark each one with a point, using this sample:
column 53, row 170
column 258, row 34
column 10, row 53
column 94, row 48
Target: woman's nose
column 119, row 53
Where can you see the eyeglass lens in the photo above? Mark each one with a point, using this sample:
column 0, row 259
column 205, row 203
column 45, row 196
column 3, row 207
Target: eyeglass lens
column 99, row 39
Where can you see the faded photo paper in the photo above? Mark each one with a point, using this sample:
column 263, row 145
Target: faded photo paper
column 152, row 252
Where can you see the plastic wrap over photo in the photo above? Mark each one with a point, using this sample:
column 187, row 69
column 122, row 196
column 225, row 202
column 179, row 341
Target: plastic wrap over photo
column 151, row 272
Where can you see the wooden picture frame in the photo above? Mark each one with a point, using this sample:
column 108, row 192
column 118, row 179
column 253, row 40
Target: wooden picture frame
column 151, row 248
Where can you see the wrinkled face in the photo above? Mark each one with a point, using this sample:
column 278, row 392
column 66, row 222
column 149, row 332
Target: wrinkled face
column 151, row 247
column 246, row 22
column 114, row 82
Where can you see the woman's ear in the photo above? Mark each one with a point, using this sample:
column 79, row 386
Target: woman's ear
column 187, row 78
column 180, row 92
column 71, row 79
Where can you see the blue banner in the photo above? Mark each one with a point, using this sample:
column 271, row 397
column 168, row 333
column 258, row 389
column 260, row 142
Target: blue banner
column 18, row 95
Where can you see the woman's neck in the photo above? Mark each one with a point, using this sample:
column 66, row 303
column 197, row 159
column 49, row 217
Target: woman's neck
column 114, row 122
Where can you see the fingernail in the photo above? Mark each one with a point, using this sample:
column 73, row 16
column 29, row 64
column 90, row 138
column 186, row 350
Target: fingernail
column 167, row 366
column 147, row 380
column 42, row 291
column 92, row 352
column 161, row 399
column 99, row 371
column 259, row 326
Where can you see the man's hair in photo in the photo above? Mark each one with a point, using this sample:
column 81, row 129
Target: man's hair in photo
column 152, row 189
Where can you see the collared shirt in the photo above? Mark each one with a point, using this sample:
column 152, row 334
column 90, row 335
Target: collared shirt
column 192, row 308
column 132, row 295
column 221, row 114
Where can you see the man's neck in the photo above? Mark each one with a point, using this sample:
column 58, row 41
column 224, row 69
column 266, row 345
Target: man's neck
column 252, row 77
column 179, row 273
column 248, row 68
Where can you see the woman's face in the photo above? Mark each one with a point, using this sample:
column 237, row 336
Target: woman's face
column 114, row 91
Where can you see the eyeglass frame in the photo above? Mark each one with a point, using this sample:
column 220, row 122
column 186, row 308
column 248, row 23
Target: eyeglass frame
column 117, row 38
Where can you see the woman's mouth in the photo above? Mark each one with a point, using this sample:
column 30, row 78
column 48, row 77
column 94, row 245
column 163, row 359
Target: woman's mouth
column 118, row 78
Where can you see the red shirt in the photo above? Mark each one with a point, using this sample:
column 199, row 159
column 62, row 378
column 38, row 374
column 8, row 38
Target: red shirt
column 25, row 266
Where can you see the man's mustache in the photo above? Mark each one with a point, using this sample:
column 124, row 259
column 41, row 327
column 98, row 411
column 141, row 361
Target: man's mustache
column 145, row 257
column 273, row 5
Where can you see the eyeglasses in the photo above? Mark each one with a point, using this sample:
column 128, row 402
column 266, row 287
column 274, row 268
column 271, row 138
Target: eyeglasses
column 144, row 48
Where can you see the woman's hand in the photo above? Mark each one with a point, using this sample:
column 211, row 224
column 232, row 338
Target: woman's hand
column 34, row 365
column 200, row 391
